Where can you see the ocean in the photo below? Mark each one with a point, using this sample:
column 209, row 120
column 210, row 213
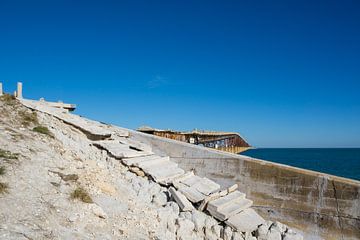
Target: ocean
column 344, row 162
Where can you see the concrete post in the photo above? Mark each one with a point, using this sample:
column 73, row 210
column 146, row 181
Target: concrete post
column 1, row 90
column 19, row 90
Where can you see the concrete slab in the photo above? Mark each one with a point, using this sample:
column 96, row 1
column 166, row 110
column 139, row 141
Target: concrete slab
column 231, row 209
column 94, row 130
column 156, row 161
column 166, row 176
column 135, row 144
column 224, row 201
column 206, row 186
column 181, row 200
column 245, row 221
column 119, row 150
column 151, row 168
column 192, row 194
column 192, row 180
column 135, row 160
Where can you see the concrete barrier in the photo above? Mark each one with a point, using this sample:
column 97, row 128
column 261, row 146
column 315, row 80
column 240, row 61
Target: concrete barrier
column 316, row 203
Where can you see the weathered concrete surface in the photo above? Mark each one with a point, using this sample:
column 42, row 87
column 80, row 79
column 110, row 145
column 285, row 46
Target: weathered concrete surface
column 317, row 203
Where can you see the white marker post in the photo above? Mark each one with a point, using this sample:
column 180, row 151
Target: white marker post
column 1, row 90
column 19, row 90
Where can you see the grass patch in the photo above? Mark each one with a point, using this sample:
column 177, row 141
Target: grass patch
column 82, row 195
column 28, row 118
column 42, row 130
column 8, row 99
column 8, row 155
column 2, row 170
column 3, row 188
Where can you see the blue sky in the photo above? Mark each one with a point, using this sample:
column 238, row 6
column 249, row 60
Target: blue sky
column 282, row 73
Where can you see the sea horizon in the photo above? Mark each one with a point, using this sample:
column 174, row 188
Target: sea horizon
column 342, row 162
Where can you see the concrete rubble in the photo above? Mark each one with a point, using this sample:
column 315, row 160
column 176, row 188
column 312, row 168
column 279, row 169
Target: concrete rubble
column 159, row 199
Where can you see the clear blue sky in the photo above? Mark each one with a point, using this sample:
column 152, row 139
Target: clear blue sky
column 282, row 73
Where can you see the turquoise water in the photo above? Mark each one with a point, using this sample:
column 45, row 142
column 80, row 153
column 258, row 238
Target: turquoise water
column 344, row 162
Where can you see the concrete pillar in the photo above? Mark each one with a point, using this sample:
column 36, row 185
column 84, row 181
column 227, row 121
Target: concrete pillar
column 1, row 90
column 19, row 90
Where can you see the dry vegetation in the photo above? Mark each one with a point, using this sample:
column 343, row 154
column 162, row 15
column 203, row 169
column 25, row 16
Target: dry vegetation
column 28, row 118
column 8, row 99
column 7, row 155
column 82, row 195
column 42, row 130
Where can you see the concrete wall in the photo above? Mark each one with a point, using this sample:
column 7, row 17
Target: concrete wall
column 316, row 203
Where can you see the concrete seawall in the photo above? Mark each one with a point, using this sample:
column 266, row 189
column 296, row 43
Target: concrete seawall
column 316, row 203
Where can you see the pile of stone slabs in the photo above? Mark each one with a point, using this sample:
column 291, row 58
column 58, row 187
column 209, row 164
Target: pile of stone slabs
column 195, row 188
column 229, row 205
column 119, row 150
column 161, row 169
column 92, row 128
column 245, row 221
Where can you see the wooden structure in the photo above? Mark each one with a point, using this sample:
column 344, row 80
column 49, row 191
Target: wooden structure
column 224, row 141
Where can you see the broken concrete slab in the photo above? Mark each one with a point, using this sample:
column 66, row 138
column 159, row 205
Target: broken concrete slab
column 181, row 200
column 151, row 168
column 191, row 180
column 156, row 161
column 192, row 194
column 221, row 202
column 166, row 176
column 119, row 150
column 94, row 130
column 135, row 160
column 231, row 209
column 245, row 221
column 206, row 186
column 135, row 144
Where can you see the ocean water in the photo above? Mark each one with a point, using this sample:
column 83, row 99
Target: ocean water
column 344, row 162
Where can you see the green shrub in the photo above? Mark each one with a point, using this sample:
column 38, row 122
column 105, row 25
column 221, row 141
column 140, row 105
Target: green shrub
column 42, row 130
column 82, row 195
column 8, row 155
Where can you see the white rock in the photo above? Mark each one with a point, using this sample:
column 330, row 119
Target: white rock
column 227, row 233
column 237, row 236
column 186, row 228
column 159, row 199
column 291, row 235
column 199, row 219
column 273, row 234
column 174, row 207
column 186, row 215
column 98, row 211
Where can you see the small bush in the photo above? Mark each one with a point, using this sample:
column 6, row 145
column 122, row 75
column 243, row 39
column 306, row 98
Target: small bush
column 3, row 188
column 2, row 170
column 8, row 155
column 28, row 118
column 82, row 195
column 42, row 130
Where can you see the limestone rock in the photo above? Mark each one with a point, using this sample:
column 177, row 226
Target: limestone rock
column 185, row 229
column 159, row 199
column 227, row 233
